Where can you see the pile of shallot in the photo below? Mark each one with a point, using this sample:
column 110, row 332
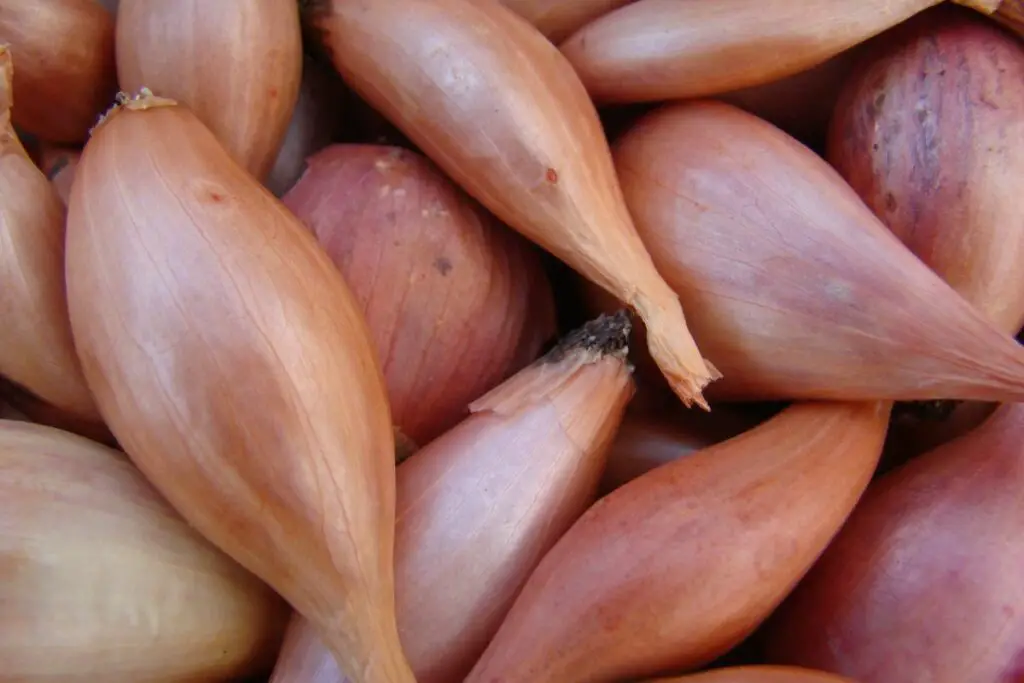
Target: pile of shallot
column 511, row 341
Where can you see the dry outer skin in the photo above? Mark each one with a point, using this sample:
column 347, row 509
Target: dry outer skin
column 595, row 610
column 455, row 301
column 501, row 111
column 235, row 369
column 36, row 348
column 64, row 51
column 923, row 582
column 103, row 581
column 558, row 19
column 930, row 133
column 792, row 285
column 238, row 66
column 673, row 49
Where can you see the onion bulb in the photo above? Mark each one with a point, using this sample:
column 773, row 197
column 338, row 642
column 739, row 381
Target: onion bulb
column 66, row 71
column 1010, row 13
column 316, row 123
column 923, row 582
column 455, row 302
column 505, row 116
column 234, row 367
column 58, row 163
column 238, row 66
column 7, row 412
column 672, row 49
column 36, row 349
column 792, row 285
column 930, row 133
column 801, row 104
column 103, row 581
column 647, row 441
column 679, row 565
column 493, row 494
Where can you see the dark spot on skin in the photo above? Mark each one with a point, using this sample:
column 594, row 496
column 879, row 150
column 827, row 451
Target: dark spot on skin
column 59, row 166
column 216, row 196
column 890, row 201
column 443, row 265
column 551, row 175
column 922, row 115
column 272, row 93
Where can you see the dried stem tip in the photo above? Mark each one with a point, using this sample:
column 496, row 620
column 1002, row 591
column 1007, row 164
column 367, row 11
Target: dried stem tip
column 607, row 335
column 1011, row 14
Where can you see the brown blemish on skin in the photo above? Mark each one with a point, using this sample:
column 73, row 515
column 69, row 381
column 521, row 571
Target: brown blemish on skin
column 551, row 175
column 443, row 265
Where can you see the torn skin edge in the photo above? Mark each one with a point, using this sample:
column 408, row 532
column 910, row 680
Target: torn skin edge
column 143, row 100
column 605, row 337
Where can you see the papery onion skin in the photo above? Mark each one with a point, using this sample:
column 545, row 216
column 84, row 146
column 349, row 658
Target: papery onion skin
column 479, row 507
column 506, row 118
column 923, row 583
column 316, row 123
column 673, row 49
column 1009, row 13
column 758, row 674
column 681, row 564
column 238, row 66
column 930, row 133
column 36, row 348
column 66, row 71
column 455, row 301
column 558, row 19
column 792, row 285
column 233, row 365
column 103, row 581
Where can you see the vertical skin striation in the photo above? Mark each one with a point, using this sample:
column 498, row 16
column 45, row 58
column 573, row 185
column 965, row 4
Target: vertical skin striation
column 237, row 65
column 771, row 251
column 36, row 348
column 480, row 506
column 234, row 366
column 930, row 133
column 455, row 301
